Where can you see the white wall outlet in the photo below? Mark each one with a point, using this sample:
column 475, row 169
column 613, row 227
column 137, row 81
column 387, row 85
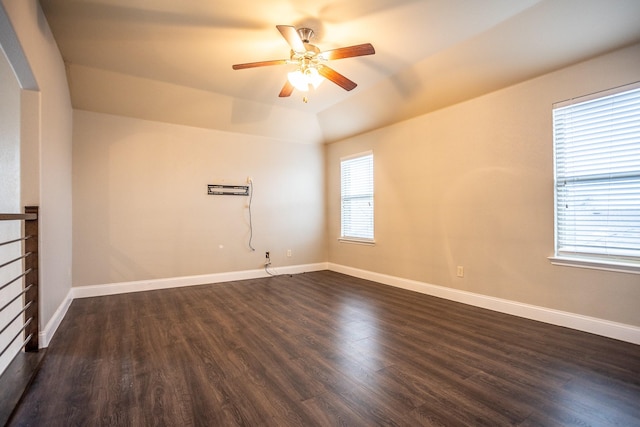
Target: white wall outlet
column 249, row 179
column 289, row 253
column 460, row 271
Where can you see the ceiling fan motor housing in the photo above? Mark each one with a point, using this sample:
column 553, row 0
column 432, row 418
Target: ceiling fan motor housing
column 305, row 34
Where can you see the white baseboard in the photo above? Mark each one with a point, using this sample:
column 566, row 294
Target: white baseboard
column 619, row 331
column 45, row 335
column 176, row 282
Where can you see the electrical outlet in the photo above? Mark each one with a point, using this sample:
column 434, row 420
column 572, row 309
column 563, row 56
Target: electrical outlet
column 249, row 179
column 266, row 255
column 289, row 253
column 460, row 271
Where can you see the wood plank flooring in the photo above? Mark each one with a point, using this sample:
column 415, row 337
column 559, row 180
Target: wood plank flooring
column 322, row 349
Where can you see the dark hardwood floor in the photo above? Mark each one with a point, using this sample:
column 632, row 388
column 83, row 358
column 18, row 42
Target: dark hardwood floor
column 322, row 349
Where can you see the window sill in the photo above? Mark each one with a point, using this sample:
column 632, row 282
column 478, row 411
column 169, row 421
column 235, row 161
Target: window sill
column 364, row 242
column 619, row 267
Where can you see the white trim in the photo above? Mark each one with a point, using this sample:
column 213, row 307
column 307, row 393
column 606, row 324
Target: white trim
column 177, row 282
column 596, row 95
column 356, row 155
column 45, row 335
column 619, row 331
column 355, row 241
column 606, row 265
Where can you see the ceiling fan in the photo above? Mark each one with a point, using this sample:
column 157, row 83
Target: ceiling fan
column 310, row 61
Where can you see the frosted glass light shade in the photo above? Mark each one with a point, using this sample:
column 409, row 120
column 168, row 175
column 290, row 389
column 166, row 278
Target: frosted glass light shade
column 298, row 80
column 313, row 77
column 301, row 81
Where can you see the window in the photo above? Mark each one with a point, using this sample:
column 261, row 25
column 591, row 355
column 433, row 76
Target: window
column 597, row 178
column 356, row 198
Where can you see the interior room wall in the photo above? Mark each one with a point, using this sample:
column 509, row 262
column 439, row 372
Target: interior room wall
column 48, row 110
column 472, row 185
column 141, row 209
column 9, row 139
column 9, row 203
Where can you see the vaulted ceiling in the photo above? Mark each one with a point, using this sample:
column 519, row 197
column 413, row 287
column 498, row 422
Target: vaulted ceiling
column 171, row 60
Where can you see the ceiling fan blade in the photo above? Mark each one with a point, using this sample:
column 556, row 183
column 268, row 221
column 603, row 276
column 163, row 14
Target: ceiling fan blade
column 336, row 77
column 349, row 52
column 292, row 37
column 287, row 90
column 259, row 64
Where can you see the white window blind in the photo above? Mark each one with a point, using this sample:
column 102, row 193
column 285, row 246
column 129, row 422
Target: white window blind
column 356, row 189
column 597, row 168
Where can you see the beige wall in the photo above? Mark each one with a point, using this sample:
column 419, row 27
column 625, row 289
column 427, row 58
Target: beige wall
column 9, row 138
column 141, row 209
column 46, row 123
column 468, row 185
column 9, row 203
column 472, row 185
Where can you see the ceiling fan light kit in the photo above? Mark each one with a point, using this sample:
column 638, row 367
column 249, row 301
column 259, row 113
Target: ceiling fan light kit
column 302, row 78
column 310, row 61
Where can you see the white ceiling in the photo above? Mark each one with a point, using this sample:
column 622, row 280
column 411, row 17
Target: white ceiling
column 171, row 60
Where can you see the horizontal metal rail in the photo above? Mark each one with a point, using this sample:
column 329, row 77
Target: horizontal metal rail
column 24, row 291
column 13, row 280
column 17, row 315
column 21, row 312
column 21, row 239
column 16, row 337
column 29, row 259
column 16, row 259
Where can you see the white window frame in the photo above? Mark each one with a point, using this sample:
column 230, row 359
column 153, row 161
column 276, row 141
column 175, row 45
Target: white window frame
column 367, row 236
column 594, row 188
